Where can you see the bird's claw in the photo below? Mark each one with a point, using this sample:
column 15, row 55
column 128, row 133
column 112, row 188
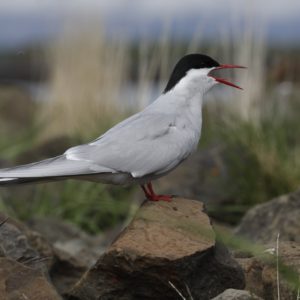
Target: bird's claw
column 167, row 198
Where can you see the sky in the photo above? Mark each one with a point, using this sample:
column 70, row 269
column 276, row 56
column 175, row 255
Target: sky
column 25, row 21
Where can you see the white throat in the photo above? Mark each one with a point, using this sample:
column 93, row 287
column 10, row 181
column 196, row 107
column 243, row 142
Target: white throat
column 195, row 82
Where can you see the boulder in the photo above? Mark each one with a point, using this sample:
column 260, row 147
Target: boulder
column 261, row 271
column 19, row 281
column 167, row 243
column 281, row 215
column 25, row 258
column 74, row 250
column 232, row 294
column 23, row 245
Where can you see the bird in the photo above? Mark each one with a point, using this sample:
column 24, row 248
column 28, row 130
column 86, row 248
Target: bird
column 143, row 147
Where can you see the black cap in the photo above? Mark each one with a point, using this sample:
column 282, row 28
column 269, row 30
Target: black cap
column 186, row 63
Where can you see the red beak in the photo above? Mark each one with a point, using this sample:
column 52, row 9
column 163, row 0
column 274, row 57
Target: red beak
column 224, row 81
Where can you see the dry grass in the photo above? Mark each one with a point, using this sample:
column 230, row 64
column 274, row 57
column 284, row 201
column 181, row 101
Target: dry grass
column 90, row 74
column 241, row 44
column 87, row 73
column 277, row 267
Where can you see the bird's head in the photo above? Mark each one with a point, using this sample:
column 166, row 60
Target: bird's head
column 193, row 72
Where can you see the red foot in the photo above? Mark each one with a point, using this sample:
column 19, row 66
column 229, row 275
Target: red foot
column 150, row 194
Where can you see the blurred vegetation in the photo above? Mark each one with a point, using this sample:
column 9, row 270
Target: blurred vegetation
column 262, row 159
column 91, row 206
column 92, row 81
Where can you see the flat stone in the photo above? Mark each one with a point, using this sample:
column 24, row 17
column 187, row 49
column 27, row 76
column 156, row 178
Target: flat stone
column 167, row 231
column 166, row 243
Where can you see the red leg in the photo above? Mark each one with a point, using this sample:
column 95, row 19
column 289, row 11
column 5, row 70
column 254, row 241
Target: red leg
column 150, row 194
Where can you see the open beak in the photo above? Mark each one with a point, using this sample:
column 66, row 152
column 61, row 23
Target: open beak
column 224, row 81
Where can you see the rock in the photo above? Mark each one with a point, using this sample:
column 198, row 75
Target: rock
column 263, row 222
column 166, row 242
column 25, row 258
column 66, row 271
column 20, row 282
column 232, row 294
column 21, row 244
column 74, row 250
column 261, row 272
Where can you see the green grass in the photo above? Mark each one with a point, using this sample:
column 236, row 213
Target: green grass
column 91, row 206
column 262, row 160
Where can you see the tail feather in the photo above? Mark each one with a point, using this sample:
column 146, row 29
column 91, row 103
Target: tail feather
column 8, row 181
column 15, row 181
column 52, row 169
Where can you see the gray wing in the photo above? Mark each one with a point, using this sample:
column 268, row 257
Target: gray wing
column 59, row 166
column 141, row 145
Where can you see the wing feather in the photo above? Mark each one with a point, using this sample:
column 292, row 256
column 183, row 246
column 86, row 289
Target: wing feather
column 149, row 144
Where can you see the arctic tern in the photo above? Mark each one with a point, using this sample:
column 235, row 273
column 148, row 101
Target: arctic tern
column 143, row 147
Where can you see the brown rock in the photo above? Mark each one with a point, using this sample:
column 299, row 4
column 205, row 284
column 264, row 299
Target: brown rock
column 166, row 242
column 20, row 282
column 261, row 272
column 263, row 222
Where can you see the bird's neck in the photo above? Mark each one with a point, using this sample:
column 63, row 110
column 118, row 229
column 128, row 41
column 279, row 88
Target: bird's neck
column 191, row 86
column 187, row 96
column 190, row 105
column 186, row 106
